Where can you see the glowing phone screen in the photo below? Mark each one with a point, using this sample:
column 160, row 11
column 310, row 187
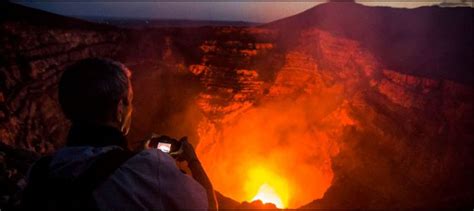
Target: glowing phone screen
column 164, row 147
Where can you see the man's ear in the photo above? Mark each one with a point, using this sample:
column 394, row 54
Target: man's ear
column 120, row 110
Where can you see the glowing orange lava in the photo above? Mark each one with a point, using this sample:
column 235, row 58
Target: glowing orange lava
column 267, row 194
column 269, row 188
column 285, row 144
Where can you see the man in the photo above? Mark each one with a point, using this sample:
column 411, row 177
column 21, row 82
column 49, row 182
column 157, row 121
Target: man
column 95, row 170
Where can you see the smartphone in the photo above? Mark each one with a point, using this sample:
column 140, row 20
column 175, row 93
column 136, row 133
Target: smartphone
column 164, row 147
column 165, row 144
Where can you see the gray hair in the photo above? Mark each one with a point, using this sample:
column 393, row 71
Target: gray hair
column 90, row 89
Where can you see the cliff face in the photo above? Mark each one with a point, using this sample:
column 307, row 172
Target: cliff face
column 32, row 58
column 399, row 135
column 369, row 136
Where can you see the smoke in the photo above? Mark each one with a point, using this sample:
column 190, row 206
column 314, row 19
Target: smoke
column 161, row 107
column 286, row 143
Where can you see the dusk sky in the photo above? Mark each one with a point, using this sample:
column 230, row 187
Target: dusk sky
column 251, row 11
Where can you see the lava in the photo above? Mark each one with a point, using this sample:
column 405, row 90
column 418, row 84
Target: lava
column 267, row 194
column 285, row 149
column 270, row 188
column 279, row 149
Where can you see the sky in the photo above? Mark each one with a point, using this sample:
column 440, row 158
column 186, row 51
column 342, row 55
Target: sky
column 260, row 11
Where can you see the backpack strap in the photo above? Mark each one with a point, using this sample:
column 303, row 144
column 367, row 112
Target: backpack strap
column 75, row 195
column 101, row 169
column 35, row 192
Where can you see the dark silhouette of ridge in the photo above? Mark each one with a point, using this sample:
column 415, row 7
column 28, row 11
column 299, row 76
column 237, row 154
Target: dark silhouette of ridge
column 431, row 41
column 19, row 13
column 143, row 23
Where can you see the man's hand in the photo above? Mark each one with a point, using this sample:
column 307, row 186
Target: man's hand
column 188, row 153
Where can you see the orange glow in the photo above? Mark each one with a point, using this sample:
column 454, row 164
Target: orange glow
column 280, row 150
column 269, row 187
column 283, row 149
column 267, row 194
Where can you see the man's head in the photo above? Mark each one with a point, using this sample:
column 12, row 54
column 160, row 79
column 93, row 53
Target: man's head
column 97, row 91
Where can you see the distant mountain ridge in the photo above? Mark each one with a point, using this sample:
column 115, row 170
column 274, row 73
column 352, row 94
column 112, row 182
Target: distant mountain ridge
column 431, row 41
column 16, row 12
column 137, row 23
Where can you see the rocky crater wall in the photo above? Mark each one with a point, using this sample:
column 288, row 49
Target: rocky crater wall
column 32, row 58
